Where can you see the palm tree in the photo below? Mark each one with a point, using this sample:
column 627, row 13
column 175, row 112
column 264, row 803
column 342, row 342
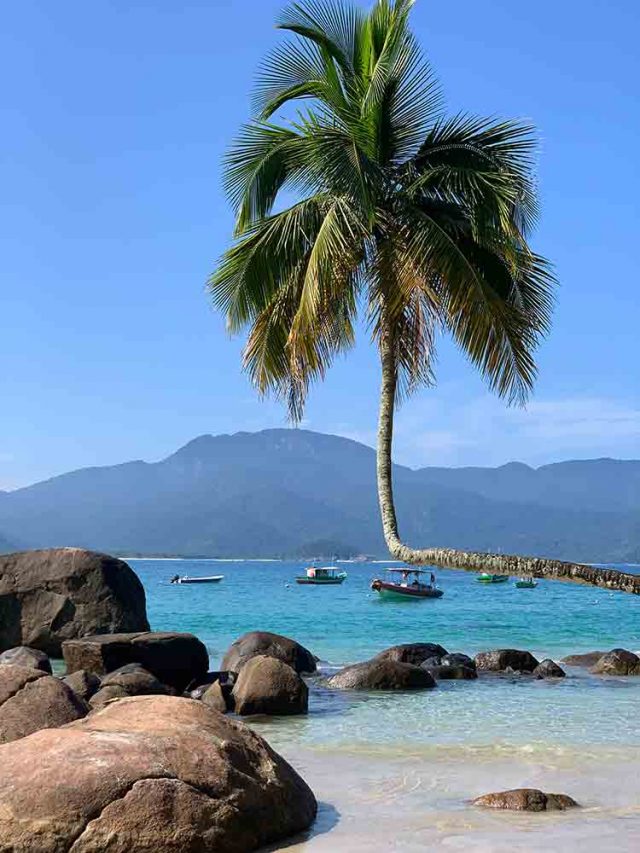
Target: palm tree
column 365, row 200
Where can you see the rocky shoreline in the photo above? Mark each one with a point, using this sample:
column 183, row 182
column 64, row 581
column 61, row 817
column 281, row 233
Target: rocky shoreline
column 120, row 725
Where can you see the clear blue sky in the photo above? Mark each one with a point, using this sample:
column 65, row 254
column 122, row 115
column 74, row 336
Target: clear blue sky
column 115, row 115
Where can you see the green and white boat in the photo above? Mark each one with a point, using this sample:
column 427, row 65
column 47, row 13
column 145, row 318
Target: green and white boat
column 323, row 576
column 526, row 583
column 487, row 577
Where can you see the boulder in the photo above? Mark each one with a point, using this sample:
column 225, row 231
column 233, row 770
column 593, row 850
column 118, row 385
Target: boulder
column 526, row 800
column 266, row 685
column 31, row 700
column 135, row 680
column 382, row 674
column 175, row 659
column 50, row 596
column 458, row 659
column 586, row 659
column 83, row 683
column 618, row 662
column 273, row 646
column 502, row 660
column 549, row 669
column 106, row 695
column 215, row 697
column 227, row 679
column 24, row 656
column 149, row 774
column 455, row 672
column 415, row 653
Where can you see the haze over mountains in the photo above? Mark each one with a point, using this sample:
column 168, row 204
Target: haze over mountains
column 289, row 492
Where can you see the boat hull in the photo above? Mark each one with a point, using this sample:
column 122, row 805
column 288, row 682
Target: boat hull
column 215, row 579
column 405, row 593
column 320, row 581
column 526, row 584
column 494, row 579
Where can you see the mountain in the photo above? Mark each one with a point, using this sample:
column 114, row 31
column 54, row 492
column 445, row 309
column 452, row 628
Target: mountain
column 286, row 492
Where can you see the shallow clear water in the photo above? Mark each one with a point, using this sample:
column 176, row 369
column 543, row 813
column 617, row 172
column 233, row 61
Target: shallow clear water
column 344, row 624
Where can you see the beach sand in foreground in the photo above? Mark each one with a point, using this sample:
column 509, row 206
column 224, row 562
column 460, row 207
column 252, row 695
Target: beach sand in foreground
column 382, row 801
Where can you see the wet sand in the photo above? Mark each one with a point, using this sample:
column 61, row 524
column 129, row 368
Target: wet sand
column 384, row 801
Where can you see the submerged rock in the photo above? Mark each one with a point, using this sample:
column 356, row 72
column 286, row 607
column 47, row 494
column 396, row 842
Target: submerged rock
column 175, row 659
column 451, row 673
column 549, row 669
column 149, row 774
column 31, row 700
column 50, row 596
column 618, row 662
column 415, row 653
column 24, row 656
column 585, row 659
column 458, row 659
column 503, row 660
column 272, row 645
column 266, row 685
column 382, row 674
column 526, row 800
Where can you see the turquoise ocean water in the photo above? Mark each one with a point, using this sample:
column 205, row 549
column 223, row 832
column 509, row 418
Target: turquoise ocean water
column 348, row 623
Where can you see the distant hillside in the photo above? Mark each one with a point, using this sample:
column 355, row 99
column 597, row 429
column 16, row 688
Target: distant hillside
column 288, row 492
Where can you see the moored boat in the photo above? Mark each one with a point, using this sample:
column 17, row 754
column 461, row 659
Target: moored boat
column 405, row 589
column 186, row 579
column 486, row 577
column 526, row 583
column 322, row 576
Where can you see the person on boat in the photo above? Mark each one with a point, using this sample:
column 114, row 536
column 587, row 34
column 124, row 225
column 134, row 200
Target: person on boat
column 432, row 579
column 175, row 579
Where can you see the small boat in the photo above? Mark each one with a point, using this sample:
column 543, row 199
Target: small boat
column 324, row 576
column 187, row 579
column 404, row 588
column 486, row 577
column 526, row 583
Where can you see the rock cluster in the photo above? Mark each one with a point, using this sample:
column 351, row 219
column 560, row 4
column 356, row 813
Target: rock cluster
column 175, row 659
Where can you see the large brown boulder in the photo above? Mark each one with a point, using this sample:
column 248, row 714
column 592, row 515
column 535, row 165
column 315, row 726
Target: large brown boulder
column 175, row 659
column 266, row 685
column 415, row 653
column 24, row 656
column 50, row 596
column 273, row 646
column 382, row 674
column 149, row 774
column 31, row 700
column 501, row 660
column 618, row 662
column 526, row 800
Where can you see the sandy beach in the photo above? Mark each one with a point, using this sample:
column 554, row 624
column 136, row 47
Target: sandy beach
column 385, row 801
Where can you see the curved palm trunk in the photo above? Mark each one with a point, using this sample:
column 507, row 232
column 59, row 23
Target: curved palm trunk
column 447, row 557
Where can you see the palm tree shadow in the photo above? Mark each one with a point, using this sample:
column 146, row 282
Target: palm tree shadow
column 327, row 818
